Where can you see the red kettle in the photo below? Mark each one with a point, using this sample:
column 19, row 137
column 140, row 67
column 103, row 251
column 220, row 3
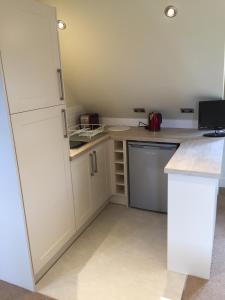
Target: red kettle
column 154, row 121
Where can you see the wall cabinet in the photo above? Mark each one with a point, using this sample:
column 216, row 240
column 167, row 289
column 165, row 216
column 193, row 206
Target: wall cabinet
column 30, row 55
column 90, row 178
column 44, row 169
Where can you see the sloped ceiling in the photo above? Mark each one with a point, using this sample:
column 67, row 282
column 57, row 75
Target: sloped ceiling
column 121, row 54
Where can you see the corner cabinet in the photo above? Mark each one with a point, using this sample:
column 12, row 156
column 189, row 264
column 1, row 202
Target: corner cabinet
column 90, row 180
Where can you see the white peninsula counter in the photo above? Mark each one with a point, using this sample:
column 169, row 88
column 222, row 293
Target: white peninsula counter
column 193, row 179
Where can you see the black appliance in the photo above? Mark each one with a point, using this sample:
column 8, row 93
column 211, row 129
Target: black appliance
column 212, row 117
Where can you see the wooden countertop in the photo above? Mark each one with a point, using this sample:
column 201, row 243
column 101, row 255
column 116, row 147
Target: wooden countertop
column 170, row 135
column 197, row 155
column 76, row 152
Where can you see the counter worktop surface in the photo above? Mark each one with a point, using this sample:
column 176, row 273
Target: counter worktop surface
column 197, row 155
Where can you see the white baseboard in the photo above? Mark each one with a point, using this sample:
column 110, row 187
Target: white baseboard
column 167, row 123
column 116, row 199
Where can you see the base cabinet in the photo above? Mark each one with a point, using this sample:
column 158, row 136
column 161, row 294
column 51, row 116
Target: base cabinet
column 81, row 180
column 191, row 223
column 100, row 179
column 90, row 179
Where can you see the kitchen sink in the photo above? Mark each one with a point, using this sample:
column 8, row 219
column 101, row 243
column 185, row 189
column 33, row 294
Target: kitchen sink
column 77, row 141
column 76, row 144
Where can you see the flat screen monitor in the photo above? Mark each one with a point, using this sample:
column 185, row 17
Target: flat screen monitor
column 212, row 116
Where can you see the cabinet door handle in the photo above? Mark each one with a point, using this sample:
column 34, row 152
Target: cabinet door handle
column 92, row 164
column 65, row 131
column 96, row 162
column 61, row 87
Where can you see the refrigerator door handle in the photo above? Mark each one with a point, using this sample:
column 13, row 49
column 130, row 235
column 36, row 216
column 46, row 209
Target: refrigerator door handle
column 64, row 123
column 61, row 87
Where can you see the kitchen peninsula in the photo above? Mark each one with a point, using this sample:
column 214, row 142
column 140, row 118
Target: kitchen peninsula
column 193, row 180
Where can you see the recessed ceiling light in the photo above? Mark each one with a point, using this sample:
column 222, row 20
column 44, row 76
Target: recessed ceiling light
column 170, row 11
column 61, row 24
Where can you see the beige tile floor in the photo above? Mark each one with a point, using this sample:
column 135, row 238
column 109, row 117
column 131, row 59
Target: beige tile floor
column 121, row 256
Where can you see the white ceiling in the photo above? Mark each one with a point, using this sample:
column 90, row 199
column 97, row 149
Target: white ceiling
column 121, row 54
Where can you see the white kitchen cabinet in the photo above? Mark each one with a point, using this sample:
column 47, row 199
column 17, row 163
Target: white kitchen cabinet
column 33, row 129
column 90, row 178
column 30, row 55
column 81, row 179
column 44, row 168
column 100, row 180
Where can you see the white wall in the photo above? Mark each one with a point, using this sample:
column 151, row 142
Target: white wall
column 15, row 262
column 166, row 123
column 120, row 54
column 73, row 114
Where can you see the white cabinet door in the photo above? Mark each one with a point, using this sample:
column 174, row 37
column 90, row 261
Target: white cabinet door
column 90, row 178
column 30, row 54
column 100, row 180
column 81, row 169
column 44, row 169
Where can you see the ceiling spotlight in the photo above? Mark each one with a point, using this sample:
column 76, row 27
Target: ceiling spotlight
column 61, row 24
column 170, row 11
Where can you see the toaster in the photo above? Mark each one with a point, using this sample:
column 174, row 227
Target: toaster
column 92, row 119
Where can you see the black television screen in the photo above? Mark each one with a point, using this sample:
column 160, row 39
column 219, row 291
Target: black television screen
column 211, row 115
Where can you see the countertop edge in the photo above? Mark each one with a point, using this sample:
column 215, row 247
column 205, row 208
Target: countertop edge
column 74, row 153
column 191, row 173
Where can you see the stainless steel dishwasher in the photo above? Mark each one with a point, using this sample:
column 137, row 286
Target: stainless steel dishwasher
column 147, row 181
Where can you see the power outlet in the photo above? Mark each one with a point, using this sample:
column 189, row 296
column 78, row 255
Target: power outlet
column 139, row 110
column 187, row 110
